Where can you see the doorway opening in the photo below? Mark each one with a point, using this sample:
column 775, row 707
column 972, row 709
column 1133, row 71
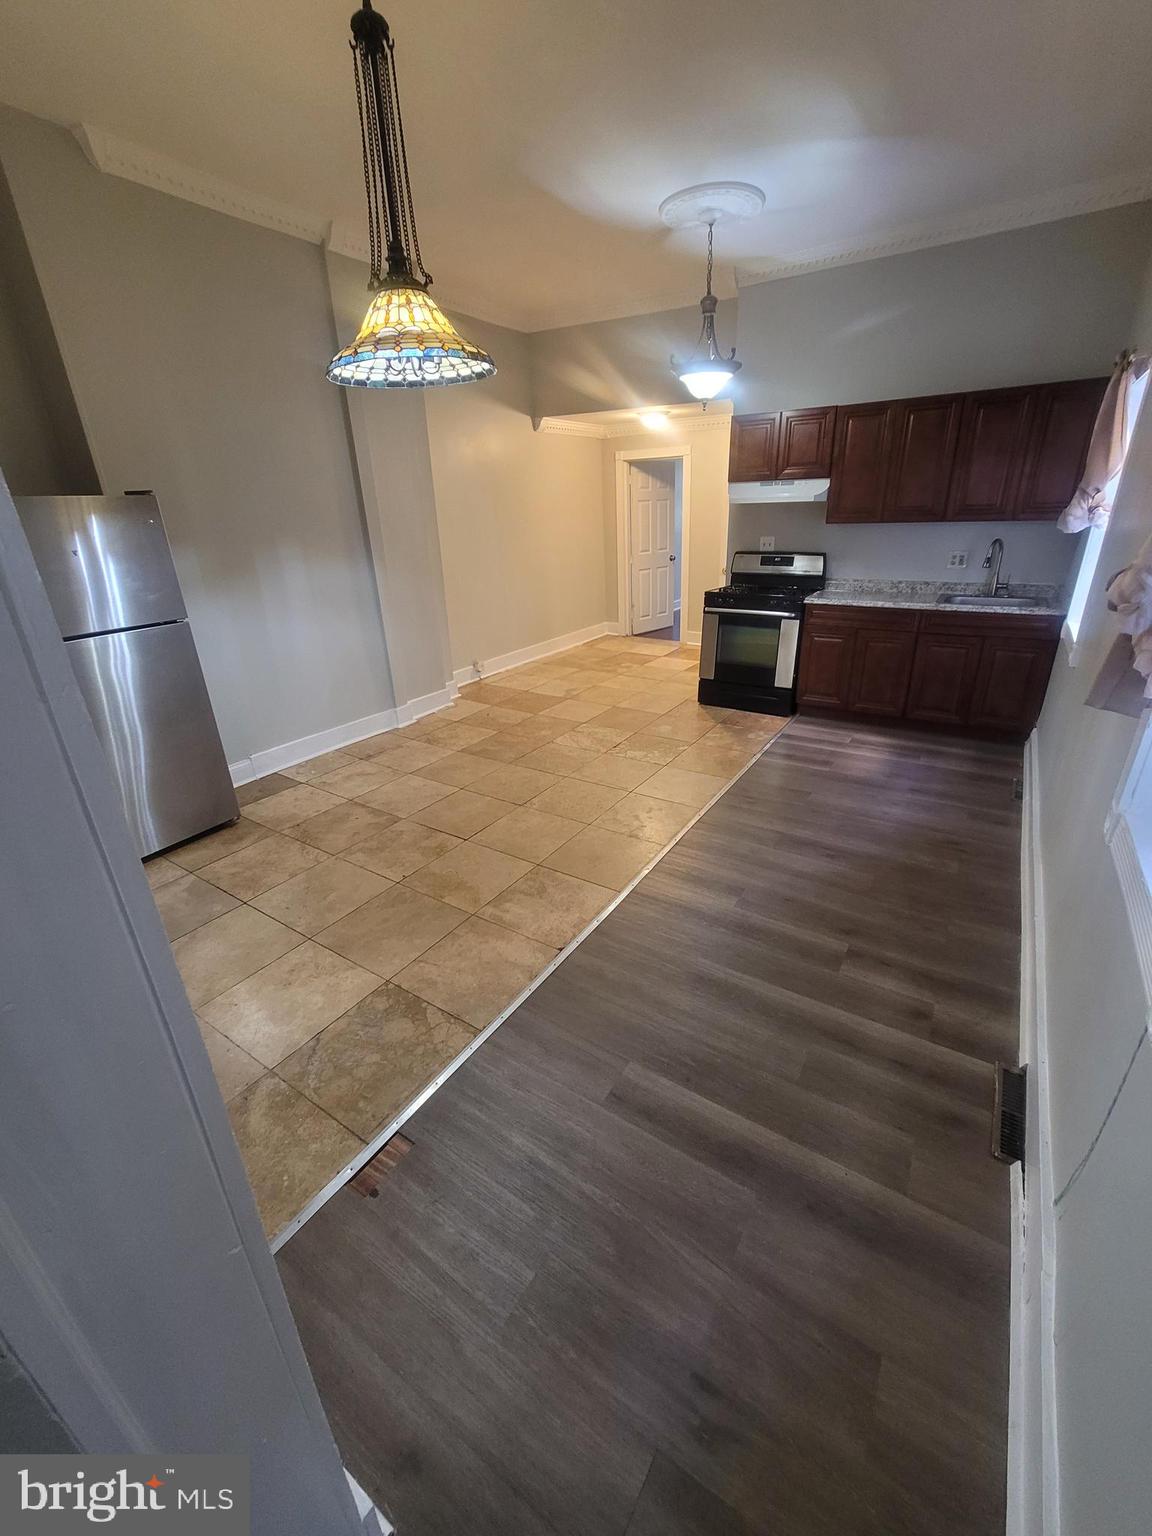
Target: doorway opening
column 651, row 515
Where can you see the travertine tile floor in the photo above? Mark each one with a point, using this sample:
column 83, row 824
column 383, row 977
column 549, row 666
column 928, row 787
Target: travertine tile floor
column 373, row 909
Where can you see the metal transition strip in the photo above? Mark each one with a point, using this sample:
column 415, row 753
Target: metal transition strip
column 373, row 1147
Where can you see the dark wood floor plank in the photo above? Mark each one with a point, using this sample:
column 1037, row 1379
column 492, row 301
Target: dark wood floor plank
column 706, row 1238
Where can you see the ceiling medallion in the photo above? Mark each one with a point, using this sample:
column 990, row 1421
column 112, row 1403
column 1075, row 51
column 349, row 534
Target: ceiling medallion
column 708, row 371
column 406, row 340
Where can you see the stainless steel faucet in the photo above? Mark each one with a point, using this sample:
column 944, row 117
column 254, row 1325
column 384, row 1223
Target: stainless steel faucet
column 992, row 562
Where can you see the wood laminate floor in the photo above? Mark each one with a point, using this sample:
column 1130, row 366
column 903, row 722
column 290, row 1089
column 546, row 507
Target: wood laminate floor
column 707, row 1237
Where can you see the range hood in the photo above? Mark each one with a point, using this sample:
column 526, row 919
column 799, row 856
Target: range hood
column 778, row 490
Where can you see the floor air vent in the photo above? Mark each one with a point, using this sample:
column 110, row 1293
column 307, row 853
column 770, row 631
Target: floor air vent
column 1009, row 1113
column 367, row 1182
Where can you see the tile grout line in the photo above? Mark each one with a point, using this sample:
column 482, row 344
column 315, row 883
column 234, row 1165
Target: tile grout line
column 370, row 1149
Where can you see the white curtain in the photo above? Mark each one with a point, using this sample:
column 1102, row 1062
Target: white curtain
column 1124, row 682
column 1090, row 506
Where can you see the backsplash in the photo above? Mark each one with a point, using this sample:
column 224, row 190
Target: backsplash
column 887, row 552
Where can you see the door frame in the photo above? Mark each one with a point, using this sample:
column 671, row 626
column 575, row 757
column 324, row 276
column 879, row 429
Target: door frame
column 624, row 457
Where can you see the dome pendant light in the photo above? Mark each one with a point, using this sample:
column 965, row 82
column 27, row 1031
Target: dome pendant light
column 406, row 340
column 708, row 371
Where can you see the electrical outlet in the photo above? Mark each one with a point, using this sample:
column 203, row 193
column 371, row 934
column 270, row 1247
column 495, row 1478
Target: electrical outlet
column 958, row 560
column 767, row 543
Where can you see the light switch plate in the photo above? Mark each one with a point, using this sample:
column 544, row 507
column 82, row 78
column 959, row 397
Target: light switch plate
column 958, row 560
column 767, row 543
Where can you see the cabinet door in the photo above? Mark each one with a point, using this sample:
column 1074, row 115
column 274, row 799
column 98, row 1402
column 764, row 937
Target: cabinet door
column 806, row 443
column 859, row 463
column 826, row 668
column 1058, row 445
column 1010, row 683
column 943, row 674
column 920, row 460
column 881, row 669
column 990, row 454
column 754, row 448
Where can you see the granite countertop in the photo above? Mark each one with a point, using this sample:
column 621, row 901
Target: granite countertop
column 850, row 593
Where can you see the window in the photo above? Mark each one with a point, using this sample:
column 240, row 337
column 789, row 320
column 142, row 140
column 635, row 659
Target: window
column 1129, row 836
column 1093, row 541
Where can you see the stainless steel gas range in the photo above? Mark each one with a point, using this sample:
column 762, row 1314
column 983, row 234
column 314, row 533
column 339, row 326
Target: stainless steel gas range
column 750, row 641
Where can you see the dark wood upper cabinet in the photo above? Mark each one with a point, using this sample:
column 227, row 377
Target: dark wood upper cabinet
column 923, row 443
column 991, row 455
column 860, row 463
column 1062, row 425
column 805, row 443
column 787, row 445
column 754, row 447
column 994, row 426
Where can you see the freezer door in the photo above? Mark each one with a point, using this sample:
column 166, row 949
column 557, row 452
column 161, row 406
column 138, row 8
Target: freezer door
column 104, row 561
column 146, row 695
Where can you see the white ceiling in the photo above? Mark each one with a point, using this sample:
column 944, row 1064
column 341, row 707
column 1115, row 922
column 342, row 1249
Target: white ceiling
column 543, row 134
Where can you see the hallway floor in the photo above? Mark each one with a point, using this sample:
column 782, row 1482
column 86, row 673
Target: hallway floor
column 707, row 1238
column 377, row 907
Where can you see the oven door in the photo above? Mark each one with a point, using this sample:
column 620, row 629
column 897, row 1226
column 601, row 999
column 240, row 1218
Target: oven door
column 749, row 648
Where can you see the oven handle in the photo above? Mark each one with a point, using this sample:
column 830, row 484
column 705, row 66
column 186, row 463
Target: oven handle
column 755, row 613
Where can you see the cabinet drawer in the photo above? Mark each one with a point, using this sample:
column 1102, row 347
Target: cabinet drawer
column 832, row 615
column 953, row 621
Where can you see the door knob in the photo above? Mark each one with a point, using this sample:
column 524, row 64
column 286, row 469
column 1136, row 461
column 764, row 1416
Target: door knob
column 671, row 559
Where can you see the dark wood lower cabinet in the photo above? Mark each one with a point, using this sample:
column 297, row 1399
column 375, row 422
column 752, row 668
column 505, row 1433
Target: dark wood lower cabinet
column 1011, row 683
column 826, row 666
column 985, row 671
column 943, row 672
column 882, row 662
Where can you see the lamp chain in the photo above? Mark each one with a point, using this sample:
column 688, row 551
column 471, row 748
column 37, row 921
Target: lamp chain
column 709, row 282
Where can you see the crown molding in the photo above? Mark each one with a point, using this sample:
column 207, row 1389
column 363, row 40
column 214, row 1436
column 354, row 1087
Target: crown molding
column 116, row 156
column 560, row 426
column 120, row 157
column 998, row 218
column 133, row 162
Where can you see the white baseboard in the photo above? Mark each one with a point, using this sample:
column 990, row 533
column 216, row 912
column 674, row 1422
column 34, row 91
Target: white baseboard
column 1033, row 1466
column 275, row 759
column 426, row 704
column 537, row 652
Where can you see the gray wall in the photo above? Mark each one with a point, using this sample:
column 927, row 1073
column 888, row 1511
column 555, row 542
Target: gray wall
column 907, row 551
column 1051, row 302
column 611, row 364
column 196, row 345
column 1097, row 1015
column 43, row 451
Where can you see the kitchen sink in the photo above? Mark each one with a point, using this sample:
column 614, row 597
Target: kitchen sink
column 983, row 599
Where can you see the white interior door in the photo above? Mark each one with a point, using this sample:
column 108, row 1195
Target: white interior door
column 652, row 515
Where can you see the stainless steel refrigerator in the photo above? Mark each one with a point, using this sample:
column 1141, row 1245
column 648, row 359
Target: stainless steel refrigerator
column 108, row 572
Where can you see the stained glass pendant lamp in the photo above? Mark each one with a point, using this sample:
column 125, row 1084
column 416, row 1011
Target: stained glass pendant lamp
column 406, row 340
column 707, row 371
